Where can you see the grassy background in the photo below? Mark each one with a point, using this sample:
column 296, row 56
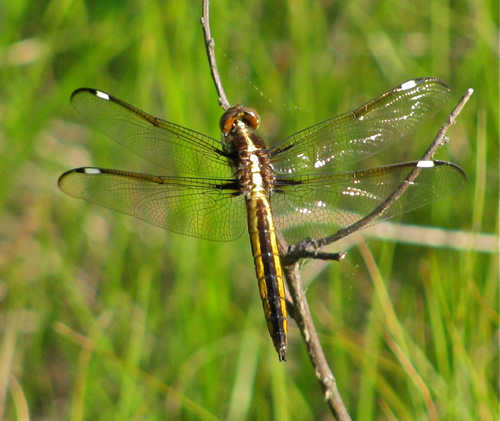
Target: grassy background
column 105, row 317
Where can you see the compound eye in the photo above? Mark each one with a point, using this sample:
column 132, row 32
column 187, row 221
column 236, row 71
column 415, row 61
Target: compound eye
column 239, row 113
column 251, row 118
column 228, row 119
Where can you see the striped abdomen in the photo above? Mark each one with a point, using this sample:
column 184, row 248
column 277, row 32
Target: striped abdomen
column 268, row 269
column 256, row 180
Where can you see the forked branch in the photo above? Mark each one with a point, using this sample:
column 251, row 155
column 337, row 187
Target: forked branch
column 309, row 249
column 302, row 315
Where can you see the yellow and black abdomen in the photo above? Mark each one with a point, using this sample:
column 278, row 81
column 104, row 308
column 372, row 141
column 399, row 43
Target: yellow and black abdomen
column 268, row 269
column 255, row 174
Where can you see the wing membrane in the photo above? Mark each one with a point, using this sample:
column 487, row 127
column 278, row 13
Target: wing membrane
column 178, row 149
column 200, row 196
column 363, row 132
column 203, row 208
column 317, row 206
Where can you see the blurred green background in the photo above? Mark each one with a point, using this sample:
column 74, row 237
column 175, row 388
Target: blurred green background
column 105, row 317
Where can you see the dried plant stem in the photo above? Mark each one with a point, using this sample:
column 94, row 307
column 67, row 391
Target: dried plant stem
column 209, row 45
column 309, row 249
column 302, row 316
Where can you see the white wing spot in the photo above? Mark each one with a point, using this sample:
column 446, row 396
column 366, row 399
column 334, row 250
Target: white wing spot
column 408, row 85
column 102, row 95
column 425, row 164
column 92, row 171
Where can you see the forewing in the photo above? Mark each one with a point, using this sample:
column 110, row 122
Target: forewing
column 316, row 206
column 355, row 135
column 205, row 208
column 176, row 148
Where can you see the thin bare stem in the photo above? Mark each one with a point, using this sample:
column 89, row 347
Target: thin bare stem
column 300, row 307
column 300, row 310
column 302, row 316
column 209, row 45
column 291, row 255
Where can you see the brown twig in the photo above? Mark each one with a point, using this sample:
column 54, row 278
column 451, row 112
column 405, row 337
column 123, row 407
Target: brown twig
column 302, row 316
column 209, row 45
column 301, row 311
column 307, row 248
column 292, row 254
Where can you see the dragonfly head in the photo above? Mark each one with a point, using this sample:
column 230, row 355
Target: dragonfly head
column 239, row 113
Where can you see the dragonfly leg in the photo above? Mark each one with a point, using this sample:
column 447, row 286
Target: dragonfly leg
column 308, row 249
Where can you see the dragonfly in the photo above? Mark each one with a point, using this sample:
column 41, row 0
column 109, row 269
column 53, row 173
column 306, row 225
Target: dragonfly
column 297, row 189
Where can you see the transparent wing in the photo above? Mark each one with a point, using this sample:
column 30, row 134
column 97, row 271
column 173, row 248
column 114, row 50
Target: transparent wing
column 355, row 135
column 317, row 206
column 205, row 208
column 180, row 150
